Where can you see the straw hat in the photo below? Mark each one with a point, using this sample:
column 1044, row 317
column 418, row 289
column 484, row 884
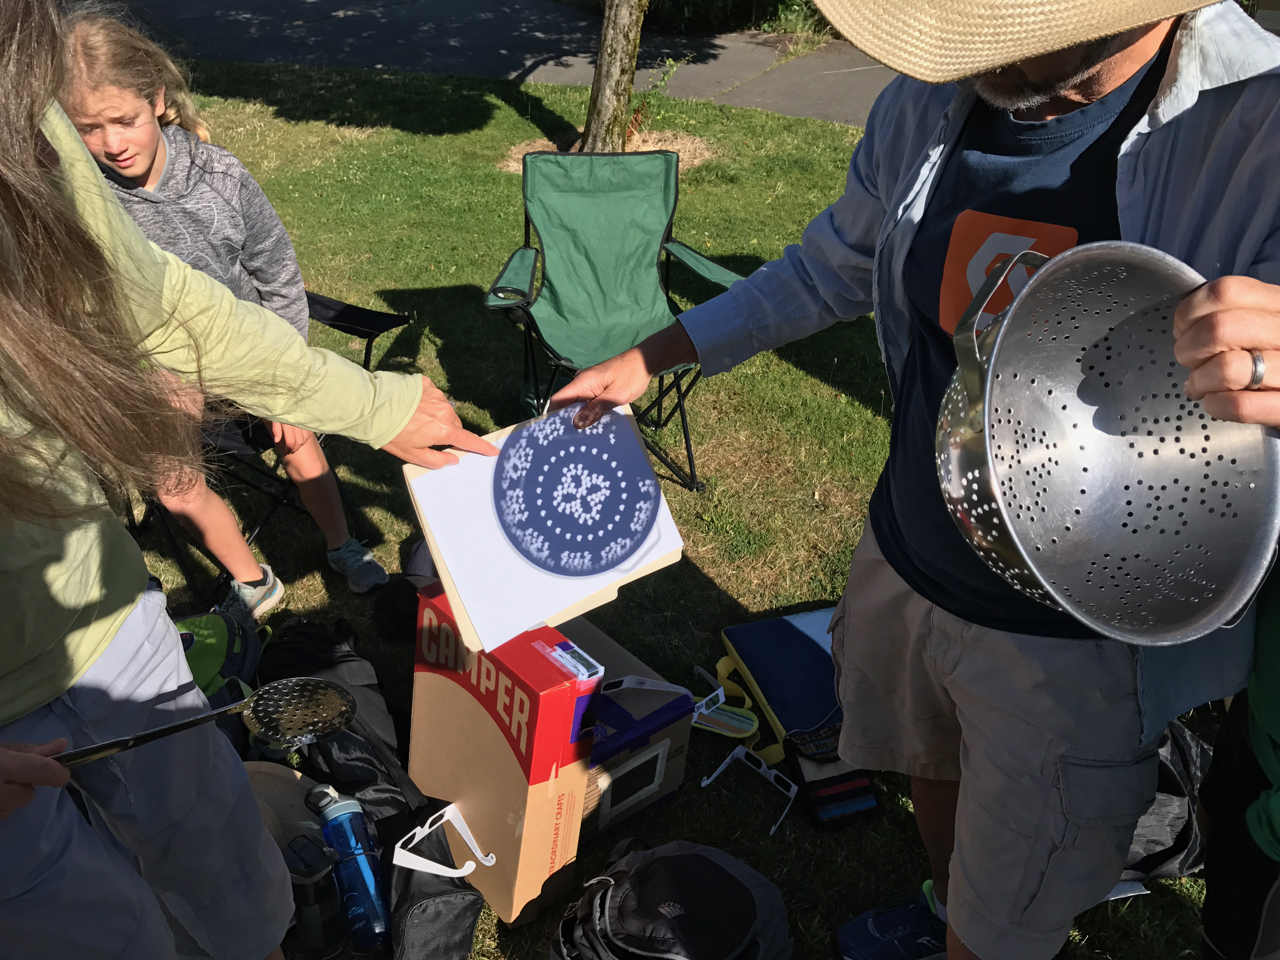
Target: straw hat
column 943, row 40
column 280, row 791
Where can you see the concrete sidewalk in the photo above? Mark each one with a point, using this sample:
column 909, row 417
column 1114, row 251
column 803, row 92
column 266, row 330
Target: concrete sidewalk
column 539, row 40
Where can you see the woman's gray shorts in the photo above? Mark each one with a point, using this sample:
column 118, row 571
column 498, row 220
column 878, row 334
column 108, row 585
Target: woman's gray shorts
column 175, row 820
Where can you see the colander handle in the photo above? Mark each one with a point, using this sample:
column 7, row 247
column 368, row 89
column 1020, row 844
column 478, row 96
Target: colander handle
column 1235, row 620
column 965, row 338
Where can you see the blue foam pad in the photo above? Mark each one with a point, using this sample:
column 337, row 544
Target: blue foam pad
column 790, row 660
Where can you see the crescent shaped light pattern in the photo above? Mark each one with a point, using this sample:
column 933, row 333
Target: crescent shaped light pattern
column 575, row 502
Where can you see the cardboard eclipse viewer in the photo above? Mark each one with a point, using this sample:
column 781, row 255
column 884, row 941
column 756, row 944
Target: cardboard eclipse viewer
column 547, row 530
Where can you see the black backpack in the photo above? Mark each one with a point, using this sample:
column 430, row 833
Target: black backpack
column 680, row 901
column 431, row 916
column 223, row 654
column 1167, row 842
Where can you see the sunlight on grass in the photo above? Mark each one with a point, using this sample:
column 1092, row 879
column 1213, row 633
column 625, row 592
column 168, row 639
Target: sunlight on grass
column 389, row 187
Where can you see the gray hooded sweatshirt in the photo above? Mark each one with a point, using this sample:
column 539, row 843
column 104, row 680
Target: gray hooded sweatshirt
column 208, row 211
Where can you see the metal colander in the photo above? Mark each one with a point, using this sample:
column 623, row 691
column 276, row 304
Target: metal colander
column 1075, row 466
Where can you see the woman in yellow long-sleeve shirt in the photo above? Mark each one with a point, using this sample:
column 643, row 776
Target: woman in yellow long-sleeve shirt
column 89, row 310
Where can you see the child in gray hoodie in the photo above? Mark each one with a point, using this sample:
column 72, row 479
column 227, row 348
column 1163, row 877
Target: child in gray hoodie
column 134, row 111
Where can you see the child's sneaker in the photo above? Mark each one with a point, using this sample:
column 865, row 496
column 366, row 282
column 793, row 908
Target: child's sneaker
column 902, row 930
column 355, row 560
column 248, row 603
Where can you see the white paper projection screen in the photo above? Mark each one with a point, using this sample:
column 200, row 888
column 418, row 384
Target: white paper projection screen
column 550, row 526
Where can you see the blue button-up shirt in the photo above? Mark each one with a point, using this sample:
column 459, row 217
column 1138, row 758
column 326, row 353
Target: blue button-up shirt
column 1198, row 177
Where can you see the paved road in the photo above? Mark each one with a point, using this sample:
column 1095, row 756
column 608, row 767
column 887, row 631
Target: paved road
column 540, row 40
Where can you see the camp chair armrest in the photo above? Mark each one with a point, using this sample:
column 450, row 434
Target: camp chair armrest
column 701, row 265
column 514, row 286
column 355, row 321
column 347, row 318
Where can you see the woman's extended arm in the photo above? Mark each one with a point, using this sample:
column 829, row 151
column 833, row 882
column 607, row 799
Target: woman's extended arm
column 196, row 327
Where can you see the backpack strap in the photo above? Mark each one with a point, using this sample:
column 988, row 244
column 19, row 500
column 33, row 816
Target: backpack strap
column 775, row 752
column 412, row 795
column 240, row 685
column 581, row 916
column 621, row 849
column 725, row 666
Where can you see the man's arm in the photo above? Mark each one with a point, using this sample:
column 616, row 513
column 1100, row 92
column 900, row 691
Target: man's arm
column 625, row 378
column 826, row 278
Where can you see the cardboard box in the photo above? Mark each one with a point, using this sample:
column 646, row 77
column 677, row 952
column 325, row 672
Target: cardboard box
column 642, row 734
column 506, row 736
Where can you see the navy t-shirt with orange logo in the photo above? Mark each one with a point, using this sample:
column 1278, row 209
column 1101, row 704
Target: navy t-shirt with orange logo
column 1008, row 186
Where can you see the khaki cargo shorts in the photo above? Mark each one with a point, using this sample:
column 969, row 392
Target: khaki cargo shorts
column 1042, row 733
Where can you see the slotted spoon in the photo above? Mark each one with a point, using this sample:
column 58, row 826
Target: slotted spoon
column 285, row 713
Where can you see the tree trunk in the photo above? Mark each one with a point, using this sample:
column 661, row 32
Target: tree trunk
column 610, row 110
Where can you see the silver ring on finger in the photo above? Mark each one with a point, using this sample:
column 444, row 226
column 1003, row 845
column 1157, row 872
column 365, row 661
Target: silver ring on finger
column 1259, row 370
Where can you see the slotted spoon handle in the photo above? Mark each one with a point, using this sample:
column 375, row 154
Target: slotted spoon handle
column 966, row 336
column 97, row 751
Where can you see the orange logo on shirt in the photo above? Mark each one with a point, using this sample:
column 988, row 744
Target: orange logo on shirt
column 978, row 242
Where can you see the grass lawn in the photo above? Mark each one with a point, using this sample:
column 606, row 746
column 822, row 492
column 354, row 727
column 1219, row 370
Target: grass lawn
column 389, row 187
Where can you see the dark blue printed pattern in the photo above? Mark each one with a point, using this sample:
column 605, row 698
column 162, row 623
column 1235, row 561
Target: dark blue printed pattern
column 575, row 502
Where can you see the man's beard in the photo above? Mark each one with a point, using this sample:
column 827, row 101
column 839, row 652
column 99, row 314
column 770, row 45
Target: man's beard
column 1009, row 88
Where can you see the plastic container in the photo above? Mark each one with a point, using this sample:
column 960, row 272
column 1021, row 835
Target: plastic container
column 357, row 870
column 322, row 928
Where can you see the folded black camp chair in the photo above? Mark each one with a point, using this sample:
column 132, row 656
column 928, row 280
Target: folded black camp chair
column 603, row 225
column 234, row 448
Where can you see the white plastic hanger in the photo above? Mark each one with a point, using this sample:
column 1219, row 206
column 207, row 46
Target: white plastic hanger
column 403, row 858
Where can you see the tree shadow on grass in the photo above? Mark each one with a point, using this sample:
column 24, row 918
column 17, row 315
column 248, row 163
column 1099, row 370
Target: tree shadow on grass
column 420, row 103
column 845, row 356
column 480, row 352
column 493, row 38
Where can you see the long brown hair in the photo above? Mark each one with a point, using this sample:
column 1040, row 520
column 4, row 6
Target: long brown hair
column 103, row 51
column 71, row 364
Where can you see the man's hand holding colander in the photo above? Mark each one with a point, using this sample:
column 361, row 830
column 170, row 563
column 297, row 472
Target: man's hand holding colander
column 1228, row 334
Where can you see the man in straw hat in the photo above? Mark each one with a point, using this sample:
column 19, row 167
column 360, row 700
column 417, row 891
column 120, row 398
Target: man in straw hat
column 1018, row 124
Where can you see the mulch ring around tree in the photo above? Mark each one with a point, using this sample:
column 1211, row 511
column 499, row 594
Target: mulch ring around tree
column 693, row 150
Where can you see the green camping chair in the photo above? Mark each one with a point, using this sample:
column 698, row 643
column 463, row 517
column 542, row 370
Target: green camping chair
column 603, row 225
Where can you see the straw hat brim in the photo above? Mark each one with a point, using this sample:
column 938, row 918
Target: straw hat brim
column 281, row 791
column 943, row 40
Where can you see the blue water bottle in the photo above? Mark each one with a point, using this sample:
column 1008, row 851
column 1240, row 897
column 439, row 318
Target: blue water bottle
column 357, row 870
